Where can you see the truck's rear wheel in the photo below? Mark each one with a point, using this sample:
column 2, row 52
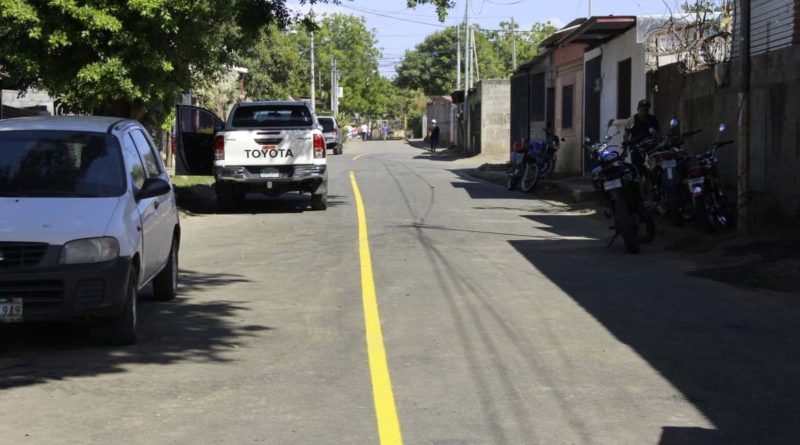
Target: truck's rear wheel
column 319, row 201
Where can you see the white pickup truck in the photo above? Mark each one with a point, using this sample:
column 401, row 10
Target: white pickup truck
column 268, row 147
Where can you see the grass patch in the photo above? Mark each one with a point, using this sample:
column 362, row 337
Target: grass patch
column 189, row 181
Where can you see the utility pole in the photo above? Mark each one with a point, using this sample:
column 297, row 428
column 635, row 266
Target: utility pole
column 590, row 8
column 475, row 55
column 513, row 45
column 458, row 57
column 744, row 192
column 313, row 86
column 467, row 85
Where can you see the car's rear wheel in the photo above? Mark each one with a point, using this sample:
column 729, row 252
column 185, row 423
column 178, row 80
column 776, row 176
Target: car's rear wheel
column 121, row 330
column 165, row 285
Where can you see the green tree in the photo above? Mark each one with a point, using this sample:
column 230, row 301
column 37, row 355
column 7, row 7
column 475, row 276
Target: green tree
column 431, row 65
column 527, row 42
column 133, row 57
column 277, row 64
column 126, row 58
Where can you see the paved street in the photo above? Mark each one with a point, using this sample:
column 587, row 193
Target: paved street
column 504, row 321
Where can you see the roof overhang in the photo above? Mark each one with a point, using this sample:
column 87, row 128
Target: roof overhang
column 593, row 31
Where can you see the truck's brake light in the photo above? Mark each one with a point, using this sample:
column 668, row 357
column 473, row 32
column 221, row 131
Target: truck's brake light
column 319, row 146
column 219, row 148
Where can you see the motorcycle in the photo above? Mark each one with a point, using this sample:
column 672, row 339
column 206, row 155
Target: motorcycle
column 668, row 164
column 707, row 201
column 619, row 183
column 516, row 165
column 540, row 160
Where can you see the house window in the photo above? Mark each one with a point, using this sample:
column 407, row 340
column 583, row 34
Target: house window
column 551, row 106
column 537, row 97
column 567, row 101
column 624, row 89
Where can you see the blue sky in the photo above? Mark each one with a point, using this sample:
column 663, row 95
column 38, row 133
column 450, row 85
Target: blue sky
column 399, row 28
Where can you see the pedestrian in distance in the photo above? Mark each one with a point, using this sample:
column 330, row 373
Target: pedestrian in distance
column 434, row 138
column 364, row 132
column 385, row 130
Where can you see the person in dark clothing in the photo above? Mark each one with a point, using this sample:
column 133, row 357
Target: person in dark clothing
column 434, row 136
column 640, row 127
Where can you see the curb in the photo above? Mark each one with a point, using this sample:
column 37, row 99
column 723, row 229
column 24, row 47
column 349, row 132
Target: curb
column 545, row 187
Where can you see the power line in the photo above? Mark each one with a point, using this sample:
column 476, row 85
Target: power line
column 438, row 25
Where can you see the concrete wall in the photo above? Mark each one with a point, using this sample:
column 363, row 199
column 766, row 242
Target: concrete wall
column 495, row 111
column 774, row 131
column 613, row 52
column 30, row 98
column 441, row 109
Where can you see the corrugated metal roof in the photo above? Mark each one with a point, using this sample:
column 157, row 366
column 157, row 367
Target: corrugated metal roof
column 771, row 28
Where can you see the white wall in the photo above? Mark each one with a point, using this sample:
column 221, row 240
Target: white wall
column 613, row 52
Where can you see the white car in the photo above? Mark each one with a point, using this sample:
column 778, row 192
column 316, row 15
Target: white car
column 87, row 219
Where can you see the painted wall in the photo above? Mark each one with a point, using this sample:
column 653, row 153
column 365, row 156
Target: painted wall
column 613, row 52
column 569, row 71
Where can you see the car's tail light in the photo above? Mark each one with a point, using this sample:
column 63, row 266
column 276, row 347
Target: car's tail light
column 219, row 148
column 319, row 146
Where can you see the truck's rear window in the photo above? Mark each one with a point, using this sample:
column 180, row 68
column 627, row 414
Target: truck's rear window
column 327, row 124
column 267, row 116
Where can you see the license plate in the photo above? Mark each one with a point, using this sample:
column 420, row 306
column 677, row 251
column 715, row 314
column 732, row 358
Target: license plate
column 697, row 181
column 613, row 184
column 11, row 310
column 270, row 173
column 669, row 163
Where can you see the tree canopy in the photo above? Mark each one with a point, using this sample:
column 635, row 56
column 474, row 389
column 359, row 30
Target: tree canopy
column 133, row 57
column 431, row 65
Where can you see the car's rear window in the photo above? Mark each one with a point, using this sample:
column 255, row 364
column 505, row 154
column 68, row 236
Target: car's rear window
column 327, row 124
column 47, row 163
column 271, row 116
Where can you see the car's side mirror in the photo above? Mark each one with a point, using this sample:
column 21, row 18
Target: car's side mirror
column 152, row 188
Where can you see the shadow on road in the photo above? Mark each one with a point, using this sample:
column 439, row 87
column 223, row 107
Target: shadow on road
column 169, row 332
column 733, row 354
column 201, row 200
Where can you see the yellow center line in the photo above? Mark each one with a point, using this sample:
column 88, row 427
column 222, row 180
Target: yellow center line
column 356, row 158
column 385, row 411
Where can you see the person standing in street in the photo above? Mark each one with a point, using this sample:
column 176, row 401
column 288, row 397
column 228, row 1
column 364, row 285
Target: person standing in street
column 385, row 131
column 434, row 136
column 364, row 131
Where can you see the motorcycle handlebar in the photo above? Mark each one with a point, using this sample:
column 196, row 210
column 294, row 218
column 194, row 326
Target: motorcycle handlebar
column 691, row 133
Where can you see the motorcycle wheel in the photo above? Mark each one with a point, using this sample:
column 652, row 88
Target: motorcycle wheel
column 674, row 206
column 626, row 226
column 530, row 177
column 649, row 229
column 513, row 175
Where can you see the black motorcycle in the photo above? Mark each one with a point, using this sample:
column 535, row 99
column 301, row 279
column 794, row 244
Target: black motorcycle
column 707, row 199
column 619, row 183
column 669, row 165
